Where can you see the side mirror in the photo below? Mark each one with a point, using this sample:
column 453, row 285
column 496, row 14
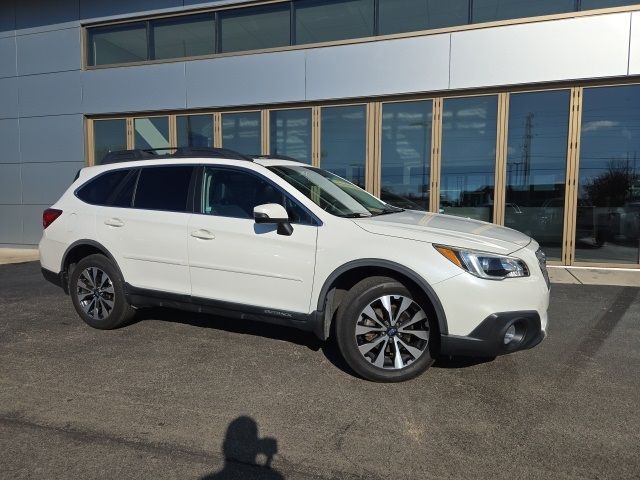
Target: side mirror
column 272, row 213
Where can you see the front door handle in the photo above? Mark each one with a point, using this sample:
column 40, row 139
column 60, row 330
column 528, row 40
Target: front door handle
column 114, row 222
column 203, row 234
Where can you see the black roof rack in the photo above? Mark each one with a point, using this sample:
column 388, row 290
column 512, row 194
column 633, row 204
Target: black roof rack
column 278, row 157
column 172, row 152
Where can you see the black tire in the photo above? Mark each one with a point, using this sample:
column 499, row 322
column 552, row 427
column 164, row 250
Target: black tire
column 354, row 302
column 120, row 313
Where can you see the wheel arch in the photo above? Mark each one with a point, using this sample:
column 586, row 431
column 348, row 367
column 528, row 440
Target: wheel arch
column 79, row 250
column 350, row 273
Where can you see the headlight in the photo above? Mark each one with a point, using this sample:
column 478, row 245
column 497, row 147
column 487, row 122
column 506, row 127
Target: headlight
column 485, row 265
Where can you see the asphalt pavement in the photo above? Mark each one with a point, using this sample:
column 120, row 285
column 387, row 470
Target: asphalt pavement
column 184, row 396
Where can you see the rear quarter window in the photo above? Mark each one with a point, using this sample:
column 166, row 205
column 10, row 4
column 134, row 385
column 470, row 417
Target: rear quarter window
column 103, row 189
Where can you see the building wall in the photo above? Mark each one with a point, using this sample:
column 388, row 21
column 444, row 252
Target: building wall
column 44, row 93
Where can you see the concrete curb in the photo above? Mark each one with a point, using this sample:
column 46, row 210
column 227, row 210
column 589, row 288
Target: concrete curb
column 18, row 255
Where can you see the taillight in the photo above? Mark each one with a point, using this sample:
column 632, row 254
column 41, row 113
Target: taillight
column 49, row 216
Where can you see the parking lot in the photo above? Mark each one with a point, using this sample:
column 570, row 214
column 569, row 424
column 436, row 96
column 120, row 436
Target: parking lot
column 188, row 396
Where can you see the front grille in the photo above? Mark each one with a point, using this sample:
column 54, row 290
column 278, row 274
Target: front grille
column 542, row 260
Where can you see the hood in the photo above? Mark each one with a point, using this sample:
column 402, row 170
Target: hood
column 446, row 230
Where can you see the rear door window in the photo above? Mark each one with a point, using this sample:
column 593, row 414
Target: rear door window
column 163, row 188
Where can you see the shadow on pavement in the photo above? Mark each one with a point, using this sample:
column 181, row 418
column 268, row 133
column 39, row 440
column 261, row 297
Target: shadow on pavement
column 243, row 451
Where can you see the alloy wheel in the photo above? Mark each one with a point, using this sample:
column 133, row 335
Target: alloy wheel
column 95, row 293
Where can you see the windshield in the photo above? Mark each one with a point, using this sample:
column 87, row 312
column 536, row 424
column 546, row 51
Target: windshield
column 332, row 193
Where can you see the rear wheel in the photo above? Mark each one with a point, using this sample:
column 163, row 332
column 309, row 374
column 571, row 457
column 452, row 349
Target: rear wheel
column 97, row 292
column 383, row 330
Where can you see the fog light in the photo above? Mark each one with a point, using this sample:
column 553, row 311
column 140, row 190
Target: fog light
column 510, row 334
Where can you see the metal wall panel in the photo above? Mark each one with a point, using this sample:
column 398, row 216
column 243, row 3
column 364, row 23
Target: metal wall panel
column 246, row 80
column 10, row 186
column 11, row 224
column 58, row 138
column 377, row 68
column 43, row 183
column 46, row 52
column 8, row 57
column 32, row 223
column 50, row 94
column 634, row 54
column 7, row 18
column 43, row 15
column 588, row 47
column 9, row 97
column 149, row 87
column 9, row 141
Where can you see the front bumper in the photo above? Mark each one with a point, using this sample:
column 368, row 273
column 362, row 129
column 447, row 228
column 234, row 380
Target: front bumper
column 487, row 339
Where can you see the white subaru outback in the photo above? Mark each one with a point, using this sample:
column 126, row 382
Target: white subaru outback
column 280, row 241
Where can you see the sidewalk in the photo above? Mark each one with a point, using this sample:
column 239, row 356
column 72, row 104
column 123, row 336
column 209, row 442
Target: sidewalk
column 573, row 275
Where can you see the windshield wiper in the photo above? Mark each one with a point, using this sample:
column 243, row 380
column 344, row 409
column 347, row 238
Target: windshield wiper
column 357, row 215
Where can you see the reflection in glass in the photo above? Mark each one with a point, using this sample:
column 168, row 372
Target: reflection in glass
column 117, row 44
column 536, row 166
column 291, row 133
column 608, row 213
column 151, row 132
column 242, row 132
column 491, row 10
column 255, row 28
column 398, row 16
column 108, row 136
column 406, row 154
column 591, row 4
column 468, row 157
column 325, row 20
column 183, row 36
column 343, row 142
column 194, row 130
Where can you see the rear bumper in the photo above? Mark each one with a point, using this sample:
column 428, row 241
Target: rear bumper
column 56, row 278
column 487, row 339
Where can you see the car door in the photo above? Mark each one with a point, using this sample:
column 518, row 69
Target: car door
column 235, row 260
column 148, row 237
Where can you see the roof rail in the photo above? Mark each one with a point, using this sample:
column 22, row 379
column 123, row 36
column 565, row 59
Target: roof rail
column 172, row 152
column 278, row 157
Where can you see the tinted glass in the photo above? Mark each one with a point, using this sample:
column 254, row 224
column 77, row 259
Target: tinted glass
column 411, row 15
column 108, row 136
column 242, row 132
column 536, row 166
column 194, row 130
column 151, row 132
column 490, row 10
column 324, row 20
column 117, row 44
column 608, row 213
column 102, row 189
column 291, row 133
column 590, row 4
column 163, row 188
column 406, row 154
column 123, row 195
column 183, row 36
column 233, row 193
column 343, row 141
column 468, row 157
column 255, row 28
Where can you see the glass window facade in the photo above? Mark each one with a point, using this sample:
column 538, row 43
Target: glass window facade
column 290, row 133
column 397, row 16
column 242, row 132
column 343, row 142
column 117, row 44
column 536, row 166
column 406, row 154
column 469, row 136
column 591, row 4
column 108, row 136
column 255, row 28
column 151, row 132
column 608, row 211
column 183, row 36
column 194, row 130
column 326, row 20
column 492, row 10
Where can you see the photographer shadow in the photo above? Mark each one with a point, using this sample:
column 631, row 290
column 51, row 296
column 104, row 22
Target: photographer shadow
column 241, row 449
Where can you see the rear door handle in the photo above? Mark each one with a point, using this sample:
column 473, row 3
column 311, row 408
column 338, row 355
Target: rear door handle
column 114, row 222
column 203, row 234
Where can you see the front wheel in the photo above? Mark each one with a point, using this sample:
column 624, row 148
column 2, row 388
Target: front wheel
column 383, row 331
column 97, row 292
